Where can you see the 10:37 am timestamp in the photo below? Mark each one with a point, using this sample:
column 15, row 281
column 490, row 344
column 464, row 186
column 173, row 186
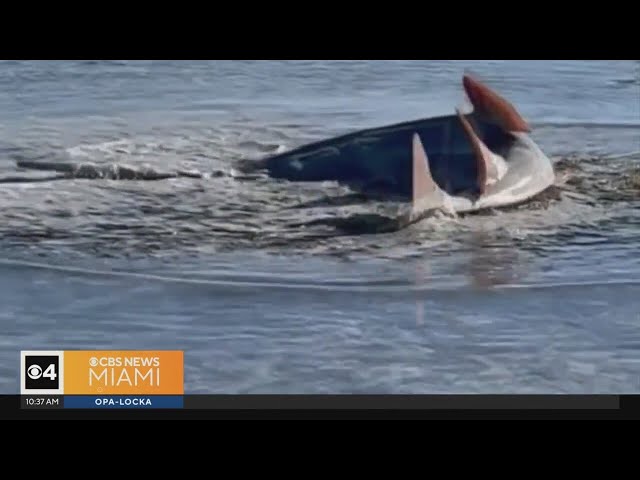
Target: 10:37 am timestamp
column 41, row 401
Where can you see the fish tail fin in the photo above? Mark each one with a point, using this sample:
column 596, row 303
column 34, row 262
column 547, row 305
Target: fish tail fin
column 488, row 103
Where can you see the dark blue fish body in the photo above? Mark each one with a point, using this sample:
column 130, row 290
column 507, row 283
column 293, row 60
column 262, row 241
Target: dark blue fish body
column 383, row 156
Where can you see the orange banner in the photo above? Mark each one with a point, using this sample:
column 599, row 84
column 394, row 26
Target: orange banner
column 123, row 372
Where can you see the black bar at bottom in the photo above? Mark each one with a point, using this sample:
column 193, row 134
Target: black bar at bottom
column 403, row 402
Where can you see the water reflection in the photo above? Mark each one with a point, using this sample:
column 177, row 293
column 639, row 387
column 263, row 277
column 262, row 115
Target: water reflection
column 486, row 263
column 422, row 273
column 492, row 265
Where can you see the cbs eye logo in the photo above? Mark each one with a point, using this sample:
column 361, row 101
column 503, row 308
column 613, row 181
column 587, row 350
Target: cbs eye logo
column 42, row 372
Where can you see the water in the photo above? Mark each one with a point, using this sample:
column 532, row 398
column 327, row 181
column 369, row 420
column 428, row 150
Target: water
column 161, row 242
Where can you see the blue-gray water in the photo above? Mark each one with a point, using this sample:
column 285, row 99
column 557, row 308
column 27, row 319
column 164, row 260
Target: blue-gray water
column 542, row 298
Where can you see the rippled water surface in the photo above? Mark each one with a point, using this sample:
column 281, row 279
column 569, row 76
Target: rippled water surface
column 128, row 223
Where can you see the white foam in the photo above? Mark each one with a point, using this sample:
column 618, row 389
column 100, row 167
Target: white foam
column 105, row 147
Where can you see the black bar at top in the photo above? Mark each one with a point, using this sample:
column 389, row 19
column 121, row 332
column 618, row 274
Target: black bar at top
column 402, row 402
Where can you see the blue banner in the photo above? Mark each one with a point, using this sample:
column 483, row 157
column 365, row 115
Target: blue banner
column 124, row 401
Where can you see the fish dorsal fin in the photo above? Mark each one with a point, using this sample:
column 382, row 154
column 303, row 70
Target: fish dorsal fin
column 426, row 192
column 490, row 168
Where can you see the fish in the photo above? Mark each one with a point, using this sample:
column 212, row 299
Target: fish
column 459, row 163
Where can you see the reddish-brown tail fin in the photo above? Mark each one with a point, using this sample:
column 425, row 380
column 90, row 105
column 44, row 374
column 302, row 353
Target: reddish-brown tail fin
column 489, row 103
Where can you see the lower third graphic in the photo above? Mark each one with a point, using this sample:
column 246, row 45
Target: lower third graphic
column 103, row 379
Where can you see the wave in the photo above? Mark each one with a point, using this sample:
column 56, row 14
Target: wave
column 570, row 124
column 341, row 287
column 113, row 171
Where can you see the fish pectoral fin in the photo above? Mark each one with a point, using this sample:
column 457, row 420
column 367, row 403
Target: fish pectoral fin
column 426, row 194
column 491, row 167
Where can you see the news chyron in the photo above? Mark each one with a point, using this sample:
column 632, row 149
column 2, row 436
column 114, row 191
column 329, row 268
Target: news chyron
column 82, row 379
